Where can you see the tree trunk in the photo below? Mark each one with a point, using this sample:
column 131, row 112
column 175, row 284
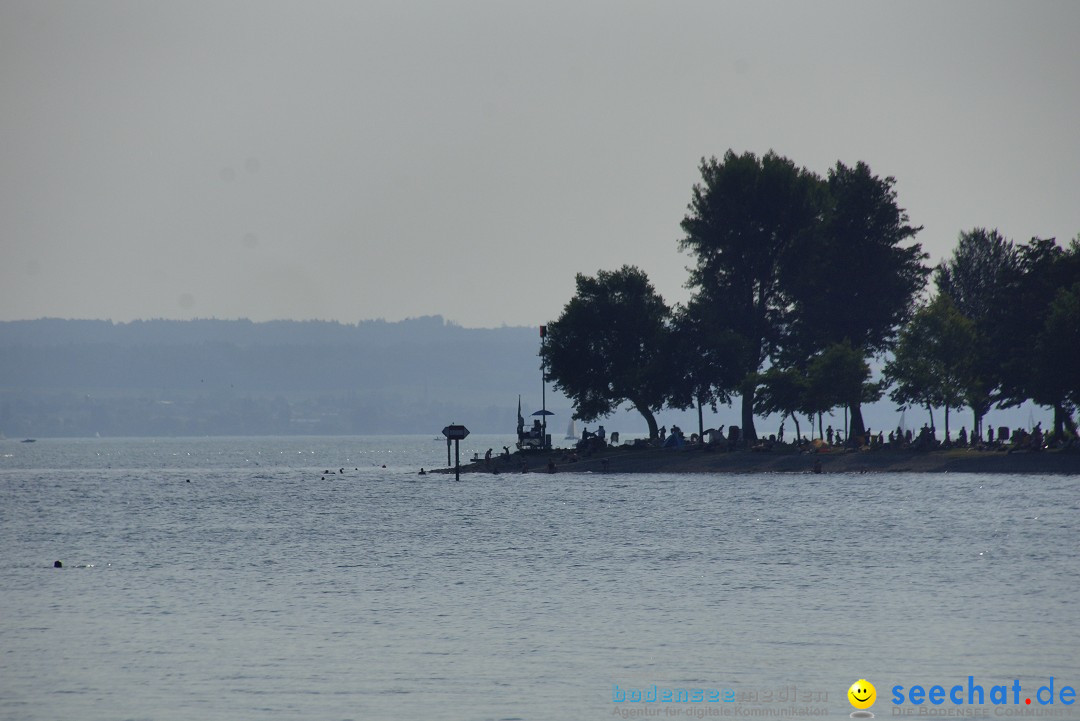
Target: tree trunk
column 748, row 432
column 654, row 430
column 946, row 420
column 931, row 412
column 700, row 422
column 798, row 431
column 857, row 430
column 980, row 406
column 1063, row 421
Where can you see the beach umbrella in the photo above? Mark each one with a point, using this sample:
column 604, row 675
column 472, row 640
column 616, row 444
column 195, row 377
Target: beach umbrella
column 543, row 413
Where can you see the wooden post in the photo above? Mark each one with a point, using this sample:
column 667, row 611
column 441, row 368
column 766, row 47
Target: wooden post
column 457, row 460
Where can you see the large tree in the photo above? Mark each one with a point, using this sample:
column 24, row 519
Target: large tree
column 710, row 357
column 975, row 273
column 785, row 391
column 934, row 359
column 1030, row 358
column 854, row 281
column 743, row 217
column 612, row 345
column 975, row 278
column 840, row 376
column 1058, row 340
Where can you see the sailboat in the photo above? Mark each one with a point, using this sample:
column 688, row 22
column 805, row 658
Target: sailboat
column 571, row 432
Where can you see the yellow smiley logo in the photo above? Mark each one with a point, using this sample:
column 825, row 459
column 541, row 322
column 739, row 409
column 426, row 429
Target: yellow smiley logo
column 862, row 694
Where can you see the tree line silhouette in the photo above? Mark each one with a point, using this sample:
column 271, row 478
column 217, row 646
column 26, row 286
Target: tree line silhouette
column 798, row 281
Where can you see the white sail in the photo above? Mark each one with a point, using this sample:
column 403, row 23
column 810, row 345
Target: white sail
column 571, row 432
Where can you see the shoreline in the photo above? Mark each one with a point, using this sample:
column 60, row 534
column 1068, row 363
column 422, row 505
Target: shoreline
column 788, row 459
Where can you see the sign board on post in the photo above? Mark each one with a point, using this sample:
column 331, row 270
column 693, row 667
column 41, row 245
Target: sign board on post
column 455, row 433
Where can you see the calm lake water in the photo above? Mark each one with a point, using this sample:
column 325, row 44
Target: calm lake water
column 236, row 579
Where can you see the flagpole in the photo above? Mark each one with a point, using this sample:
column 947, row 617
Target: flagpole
column 543, row 385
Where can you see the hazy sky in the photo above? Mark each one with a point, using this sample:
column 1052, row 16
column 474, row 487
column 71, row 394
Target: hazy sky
column 361, row 160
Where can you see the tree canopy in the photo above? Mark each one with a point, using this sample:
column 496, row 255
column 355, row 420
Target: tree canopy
column 1058, row 346
column 855, row 280
column 711, row 357
column 743, row 218
column 975, row 278
column 612, row 345
column 934, row 360
column 811, row 278
column 1029, row 312
column 799, row 264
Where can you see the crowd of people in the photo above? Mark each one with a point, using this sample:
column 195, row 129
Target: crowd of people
column 925, row 438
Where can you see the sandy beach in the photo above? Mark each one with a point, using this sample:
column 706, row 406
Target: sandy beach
column 785, row 459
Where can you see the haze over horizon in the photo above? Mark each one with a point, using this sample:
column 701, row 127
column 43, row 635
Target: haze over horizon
column 351, row 161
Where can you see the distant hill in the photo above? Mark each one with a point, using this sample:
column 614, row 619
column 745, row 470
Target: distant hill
column 237, row 377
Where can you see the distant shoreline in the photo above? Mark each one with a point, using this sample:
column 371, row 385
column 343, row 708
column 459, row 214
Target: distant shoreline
column 694, row 459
